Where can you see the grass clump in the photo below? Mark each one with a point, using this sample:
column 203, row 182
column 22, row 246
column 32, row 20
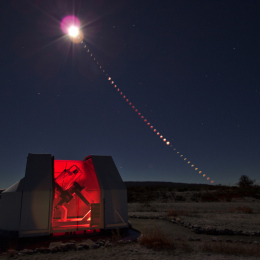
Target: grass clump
column 242, row 209
column 184, row 246
column 231, row 249
column 115, row 236
column 154, row 238
column 11, row 253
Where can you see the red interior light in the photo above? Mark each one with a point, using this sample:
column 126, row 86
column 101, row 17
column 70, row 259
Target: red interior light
column 76, row 204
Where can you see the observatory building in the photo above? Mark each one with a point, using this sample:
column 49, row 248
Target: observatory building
column 57, row 196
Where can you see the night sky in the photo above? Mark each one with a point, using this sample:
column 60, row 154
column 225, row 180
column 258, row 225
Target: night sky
column 191, row 68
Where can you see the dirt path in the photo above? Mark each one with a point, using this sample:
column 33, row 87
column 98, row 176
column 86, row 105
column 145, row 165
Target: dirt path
column 175, row 231
column 188, row 246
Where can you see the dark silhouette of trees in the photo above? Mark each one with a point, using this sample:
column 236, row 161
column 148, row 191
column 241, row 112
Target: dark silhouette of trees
column 245, row 182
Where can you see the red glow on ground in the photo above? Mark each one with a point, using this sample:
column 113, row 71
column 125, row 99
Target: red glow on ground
column 80, row 232
column 59, row 234
column 76, row 204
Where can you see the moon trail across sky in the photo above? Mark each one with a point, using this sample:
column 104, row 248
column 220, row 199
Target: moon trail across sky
column 71, row 26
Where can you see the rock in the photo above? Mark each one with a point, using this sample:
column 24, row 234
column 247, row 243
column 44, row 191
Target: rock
column 69, row 246
column 245, row 233
column 54, row 250
column 108, row 244
column 80, row 248
column 124, row 241
column 42, row 250
column 55, row 246
column 229, row 240
column 27, row 252
column 83, row 246
column 89, row 242
column 101, row 242
column 96, row 246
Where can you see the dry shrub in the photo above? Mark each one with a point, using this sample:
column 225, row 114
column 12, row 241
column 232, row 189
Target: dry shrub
column 154, row 238
column 185, row 246
column 115, row 236
column 231, row 249
column 11, row 253
column 209, row 197
column 242, row 209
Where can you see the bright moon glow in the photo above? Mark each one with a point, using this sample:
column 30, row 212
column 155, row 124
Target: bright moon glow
column 70, row 25
column 68, row 22
column 73, row 31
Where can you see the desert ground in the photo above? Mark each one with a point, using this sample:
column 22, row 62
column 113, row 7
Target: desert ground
column 175, row 226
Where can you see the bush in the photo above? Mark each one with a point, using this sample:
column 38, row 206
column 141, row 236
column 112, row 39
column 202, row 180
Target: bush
column 245, row 182
column 209, row 197
column 195, row 197
column 154, row 238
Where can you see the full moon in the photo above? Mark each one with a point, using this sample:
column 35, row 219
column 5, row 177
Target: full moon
column 73, row 31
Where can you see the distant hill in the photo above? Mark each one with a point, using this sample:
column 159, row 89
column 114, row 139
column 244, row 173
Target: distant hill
column 130, row 184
